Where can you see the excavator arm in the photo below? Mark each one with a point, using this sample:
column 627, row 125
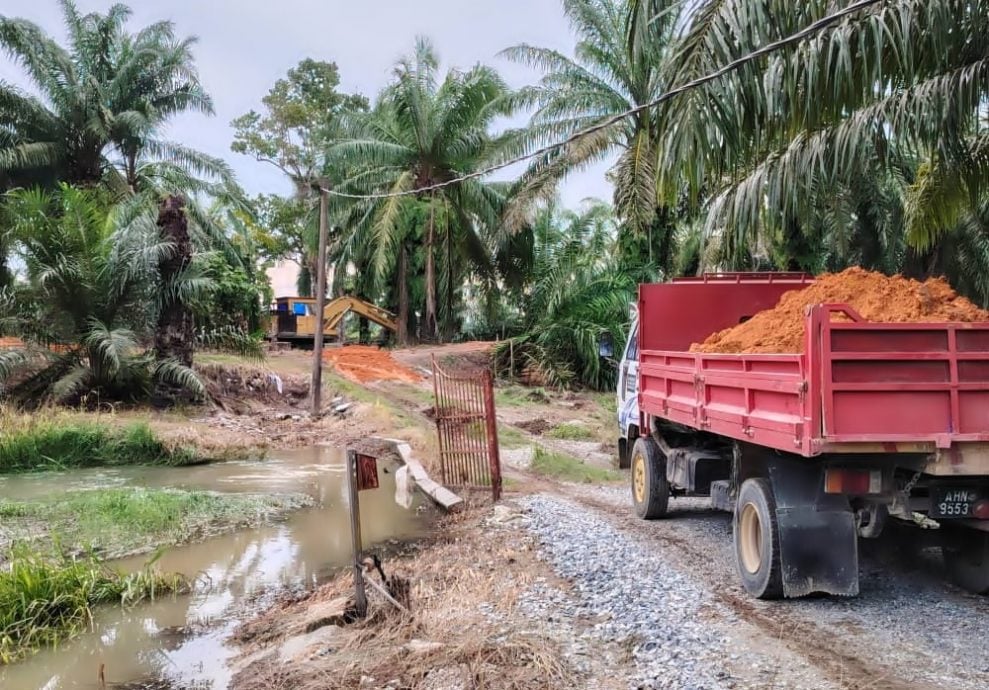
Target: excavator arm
column 336, row 309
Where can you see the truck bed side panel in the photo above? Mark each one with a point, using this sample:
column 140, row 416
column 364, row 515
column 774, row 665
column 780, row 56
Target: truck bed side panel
column 902, row 382
column 757, row 398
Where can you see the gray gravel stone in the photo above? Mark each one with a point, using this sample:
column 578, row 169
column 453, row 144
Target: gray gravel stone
column 629, row 596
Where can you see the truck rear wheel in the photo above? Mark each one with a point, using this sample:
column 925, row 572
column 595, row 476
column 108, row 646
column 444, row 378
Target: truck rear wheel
column 966, row 558
column 650, row 489
column 757, row 542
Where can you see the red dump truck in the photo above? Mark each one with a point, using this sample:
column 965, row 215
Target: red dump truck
column 809, row 451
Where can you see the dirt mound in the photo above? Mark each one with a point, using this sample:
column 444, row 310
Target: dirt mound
column 876, row 297
column 534, row 426
column 241, row 389
column 362, row 364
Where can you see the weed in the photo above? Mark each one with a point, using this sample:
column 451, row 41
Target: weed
column 113, row 522
column 53, row 441
column 570, row 469
column 510, row 438
column 514, row 395
column 44, row 600
column 571, row 431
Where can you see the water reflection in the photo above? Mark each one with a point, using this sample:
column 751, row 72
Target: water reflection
column 183, row 639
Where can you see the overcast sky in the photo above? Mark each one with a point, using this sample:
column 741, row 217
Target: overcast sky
column 245, row 45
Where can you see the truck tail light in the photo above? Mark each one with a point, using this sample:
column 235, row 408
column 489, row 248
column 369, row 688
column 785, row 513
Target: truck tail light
column 838, row 480
column 981, row 509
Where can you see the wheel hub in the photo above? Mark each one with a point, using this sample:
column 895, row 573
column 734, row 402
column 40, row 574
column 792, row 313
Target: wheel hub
column 750, row 541
column 639, row 478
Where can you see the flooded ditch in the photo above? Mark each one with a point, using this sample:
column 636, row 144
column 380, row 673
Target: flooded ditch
column 180, row 642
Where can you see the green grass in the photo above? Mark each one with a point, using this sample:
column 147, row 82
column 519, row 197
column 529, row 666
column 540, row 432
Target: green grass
column 513, row 395
column 44, row 601
column 569, row 469
column 114, row 522
column 55, row 442
column 511, row 438
column 571, row 431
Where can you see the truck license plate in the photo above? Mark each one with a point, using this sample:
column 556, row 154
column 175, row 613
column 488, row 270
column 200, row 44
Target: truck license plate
column 953, row 502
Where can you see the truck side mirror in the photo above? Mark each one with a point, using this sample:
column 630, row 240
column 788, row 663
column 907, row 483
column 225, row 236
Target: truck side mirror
column 606, row 346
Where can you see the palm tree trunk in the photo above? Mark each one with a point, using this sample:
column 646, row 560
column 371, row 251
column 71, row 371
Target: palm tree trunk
column 451, row 325
column 402, row 334
column 175, row 334
column 430, row 331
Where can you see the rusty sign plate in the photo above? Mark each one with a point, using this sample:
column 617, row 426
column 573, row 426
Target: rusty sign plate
column 367, row 472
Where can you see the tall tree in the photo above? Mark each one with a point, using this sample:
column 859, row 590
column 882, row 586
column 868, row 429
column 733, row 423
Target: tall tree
column 618, row 65
column 302, row 117
column 894, row 92
column 102, row 99
column 175, row 332
column 426, row 129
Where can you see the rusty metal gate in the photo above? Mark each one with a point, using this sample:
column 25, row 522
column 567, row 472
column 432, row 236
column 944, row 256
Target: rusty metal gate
column 468, row 429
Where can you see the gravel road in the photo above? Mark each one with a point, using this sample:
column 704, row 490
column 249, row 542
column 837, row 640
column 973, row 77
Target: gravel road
column 667, row 590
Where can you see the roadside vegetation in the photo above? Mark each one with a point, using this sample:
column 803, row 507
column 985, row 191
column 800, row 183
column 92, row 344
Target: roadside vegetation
column 570, row 469
column 45, row 600
column 114, row 522
column 59, row 441
column 571, row 431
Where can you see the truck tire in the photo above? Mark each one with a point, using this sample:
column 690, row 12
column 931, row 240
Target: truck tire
column 650, row 489
column 966, row 558
column 757, row 542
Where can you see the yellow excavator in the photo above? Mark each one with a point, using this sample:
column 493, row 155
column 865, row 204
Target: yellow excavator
column 294, row 318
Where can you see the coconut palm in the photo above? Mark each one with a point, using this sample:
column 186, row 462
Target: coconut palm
column 617, row 66
column 425, row 129
column 100, row 102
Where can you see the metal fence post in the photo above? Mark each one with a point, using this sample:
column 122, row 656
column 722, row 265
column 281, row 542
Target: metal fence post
column 360, row 595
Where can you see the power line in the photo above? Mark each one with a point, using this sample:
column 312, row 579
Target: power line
column 810, row 30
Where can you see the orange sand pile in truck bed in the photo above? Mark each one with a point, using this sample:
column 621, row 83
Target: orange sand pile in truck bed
column 875, row 296
column 362, row 364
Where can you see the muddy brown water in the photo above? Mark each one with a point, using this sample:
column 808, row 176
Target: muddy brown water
column 181, row 642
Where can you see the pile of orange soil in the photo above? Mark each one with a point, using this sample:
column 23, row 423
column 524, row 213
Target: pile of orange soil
column 876, row 297
column 362, row 364
column 12, row 343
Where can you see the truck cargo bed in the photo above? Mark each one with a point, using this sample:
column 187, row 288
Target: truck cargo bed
column 858, row 387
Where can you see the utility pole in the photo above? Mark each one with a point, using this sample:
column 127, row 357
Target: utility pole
column 316, row 385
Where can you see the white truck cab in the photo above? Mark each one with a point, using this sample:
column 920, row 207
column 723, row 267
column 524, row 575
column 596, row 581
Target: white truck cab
column 628, row 392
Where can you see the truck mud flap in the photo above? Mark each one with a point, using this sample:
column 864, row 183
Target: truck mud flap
column 817, row 535
column 818, row 552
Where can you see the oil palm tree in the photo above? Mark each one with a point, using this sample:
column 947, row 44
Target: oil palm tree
column 425, row 129
column 622, row 47
column 575, row 292
column 90, row 301
column 100, row 102
column 775, row 141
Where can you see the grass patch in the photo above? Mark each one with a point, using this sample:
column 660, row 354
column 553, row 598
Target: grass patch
column 44, row 601
column 60, row 441
column 511, row 438
column 513, row 395
column 334, row 384
column 571, row 431
column 114, row 522
column 570, row 469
